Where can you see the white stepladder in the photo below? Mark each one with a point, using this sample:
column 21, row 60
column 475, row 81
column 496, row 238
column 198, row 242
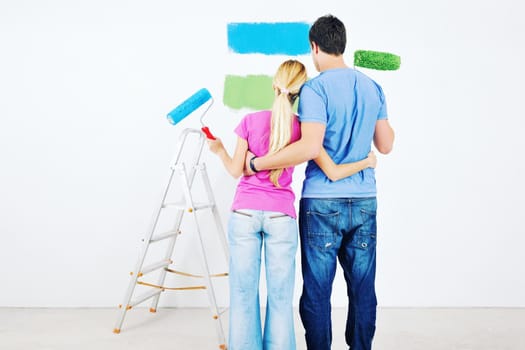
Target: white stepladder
column 187, row 205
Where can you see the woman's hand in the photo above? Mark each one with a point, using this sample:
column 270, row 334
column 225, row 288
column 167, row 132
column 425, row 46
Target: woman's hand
column 371, row 159
column 216, row 146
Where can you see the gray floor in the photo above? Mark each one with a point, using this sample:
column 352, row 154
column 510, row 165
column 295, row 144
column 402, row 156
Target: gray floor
column 397, row 329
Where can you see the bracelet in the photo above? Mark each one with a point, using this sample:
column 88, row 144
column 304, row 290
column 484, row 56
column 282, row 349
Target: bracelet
column 252, row 166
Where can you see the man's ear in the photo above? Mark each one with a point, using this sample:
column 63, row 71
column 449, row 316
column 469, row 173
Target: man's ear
column 315, row 47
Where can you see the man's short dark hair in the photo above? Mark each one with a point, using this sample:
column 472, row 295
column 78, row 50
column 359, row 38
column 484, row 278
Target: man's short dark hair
column 329, row 33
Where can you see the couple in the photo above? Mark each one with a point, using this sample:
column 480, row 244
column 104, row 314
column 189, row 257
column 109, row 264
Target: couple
column 341, row 112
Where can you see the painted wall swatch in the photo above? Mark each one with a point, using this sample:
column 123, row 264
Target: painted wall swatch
column 252, row 91
column 289, row 38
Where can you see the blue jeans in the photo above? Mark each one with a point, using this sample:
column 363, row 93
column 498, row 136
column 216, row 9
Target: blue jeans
column 248, row 230
column 332, row 229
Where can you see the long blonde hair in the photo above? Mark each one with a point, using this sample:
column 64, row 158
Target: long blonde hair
column 287, row 82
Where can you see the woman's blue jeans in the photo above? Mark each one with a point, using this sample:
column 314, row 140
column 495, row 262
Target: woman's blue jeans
column 248, row 231
column 345, row 230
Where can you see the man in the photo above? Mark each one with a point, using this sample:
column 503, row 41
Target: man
column 344, row 111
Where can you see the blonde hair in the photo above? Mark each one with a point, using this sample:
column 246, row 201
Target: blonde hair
column 287, row 82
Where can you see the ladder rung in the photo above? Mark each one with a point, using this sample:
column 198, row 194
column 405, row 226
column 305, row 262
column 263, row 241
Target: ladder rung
column 164, row 235
column 143, row 297
column 155, row 266
column 203, row 205
column 184, row 206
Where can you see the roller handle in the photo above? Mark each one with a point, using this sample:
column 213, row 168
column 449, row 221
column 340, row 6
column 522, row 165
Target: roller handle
column 208, row 133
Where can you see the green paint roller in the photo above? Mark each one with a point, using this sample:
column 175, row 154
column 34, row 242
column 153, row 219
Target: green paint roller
column 376, row 60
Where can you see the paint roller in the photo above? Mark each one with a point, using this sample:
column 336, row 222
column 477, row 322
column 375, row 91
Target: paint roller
column 191, row 104
column 376, row 60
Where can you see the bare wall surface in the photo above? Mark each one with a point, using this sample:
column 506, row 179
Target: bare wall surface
column 85, row 145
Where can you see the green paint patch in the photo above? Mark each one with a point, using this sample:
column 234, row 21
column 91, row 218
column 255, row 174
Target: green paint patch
column 251, row 91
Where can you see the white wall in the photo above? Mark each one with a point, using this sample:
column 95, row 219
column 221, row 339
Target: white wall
column 84, row 144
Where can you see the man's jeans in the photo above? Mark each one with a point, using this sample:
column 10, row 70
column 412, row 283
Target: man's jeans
column 248, row 230
column 343, row 229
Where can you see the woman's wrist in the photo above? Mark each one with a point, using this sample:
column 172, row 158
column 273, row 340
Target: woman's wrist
column 252, row 164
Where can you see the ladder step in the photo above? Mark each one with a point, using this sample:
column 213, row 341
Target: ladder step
column 177, row 205
column 143, row 297
column 204, row 205
column 155, row 266
column 184, row 206
column 164, row 235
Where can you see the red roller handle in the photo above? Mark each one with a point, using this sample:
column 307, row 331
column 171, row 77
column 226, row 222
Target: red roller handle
column 208, row 133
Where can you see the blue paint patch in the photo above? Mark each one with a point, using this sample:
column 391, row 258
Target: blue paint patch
column 287, row 38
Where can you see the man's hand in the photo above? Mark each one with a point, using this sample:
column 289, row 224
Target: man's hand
column 371, row 159
column 247, row 170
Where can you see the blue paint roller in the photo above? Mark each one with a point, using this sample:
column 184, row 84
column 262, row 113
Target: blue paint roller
column 187, row 107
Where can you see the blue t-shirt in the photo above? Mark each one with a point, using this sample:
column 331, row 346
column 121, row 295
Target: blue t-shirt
column 348, row 103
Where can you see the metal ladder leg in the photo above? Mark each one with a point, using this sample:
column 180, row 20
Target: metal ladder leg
column 176, row 227
column 147, row 240
column 127, row 304
column 215, row 212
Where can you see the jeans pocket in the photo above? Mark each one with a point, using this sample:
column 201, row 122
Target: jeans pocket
column 322, row 229
column 241, row 224
column 364, row 240
column 279, row 216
